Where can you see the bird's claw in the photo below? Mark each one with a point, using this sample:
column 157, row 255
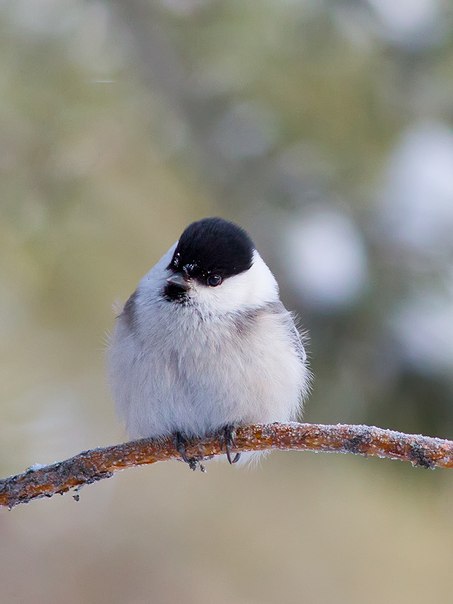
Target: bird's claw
column 192, row 462
column 228, row 437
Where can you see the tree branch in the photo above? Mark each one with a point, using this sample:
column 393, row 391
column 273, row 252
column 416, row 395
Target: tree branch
column 96, row 464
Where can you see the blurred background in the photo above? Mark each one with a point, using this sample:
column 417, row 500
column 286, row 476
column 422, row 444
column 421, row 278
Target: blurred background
column 325, row 129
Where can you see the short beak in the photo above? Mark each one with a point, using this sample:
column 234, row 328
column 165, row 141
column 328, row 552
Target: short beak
column 178, row 280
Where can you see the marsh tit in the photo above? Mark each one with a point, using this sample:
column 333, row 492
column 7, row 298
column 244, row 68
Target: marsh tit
column 204, row 344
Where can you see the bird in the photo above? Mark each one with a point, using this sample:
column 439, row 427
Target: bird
column 205, row 345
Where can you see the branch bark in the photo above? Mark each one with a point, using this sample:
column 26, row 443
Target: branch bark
column 96, row 464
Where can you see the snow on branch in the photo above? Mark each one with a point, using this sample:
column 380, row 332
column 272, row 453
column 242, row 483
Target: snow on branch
column 96, row 464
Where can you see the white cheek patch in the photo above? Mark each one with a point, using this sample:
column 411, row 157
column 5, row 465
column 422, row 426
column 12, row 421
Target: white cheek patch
column 250, row 289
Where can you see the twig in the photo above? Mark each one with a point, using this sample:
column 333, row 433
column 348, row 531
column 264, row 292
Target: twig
column 96, row 464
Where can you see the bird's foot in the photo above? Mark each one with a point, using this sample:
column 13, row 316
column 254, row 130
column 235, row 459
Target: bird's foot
column 228, row 434
column 181, row 445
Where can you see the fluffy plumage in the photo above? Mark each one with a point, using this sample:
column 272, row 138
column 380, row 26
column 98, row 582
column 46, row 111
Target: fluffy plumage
column 189, row 357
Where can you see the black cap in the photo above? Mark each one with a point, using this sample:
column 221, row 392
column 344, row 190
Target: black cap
column 213, row 246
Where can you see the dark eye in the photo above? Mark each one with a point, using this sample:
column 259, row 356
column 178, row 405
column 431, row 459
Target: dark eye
column 214, row 280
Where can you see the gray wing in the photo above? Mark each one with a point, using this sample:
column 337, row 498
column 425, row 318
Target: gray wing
column 296, row 338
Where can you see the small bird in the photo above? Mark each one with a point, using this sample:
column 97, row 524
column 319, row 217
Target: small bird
column 205, row 345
